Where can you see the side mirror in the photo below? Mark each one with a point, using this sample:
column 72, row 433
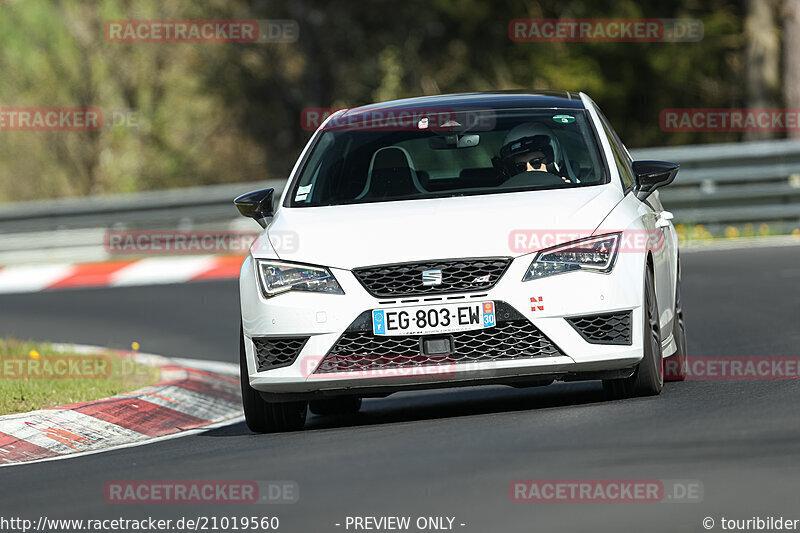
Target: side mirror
column 650, row 175
column 256, row 205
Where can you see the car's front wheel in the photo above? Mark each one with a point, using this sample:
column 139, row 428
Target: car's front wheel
column 267, row 417
column 648, row 378
column 676, row 366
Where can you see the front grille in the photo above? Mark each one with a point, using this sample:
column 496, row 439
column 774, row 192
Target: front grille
column 405, row 279
column 609, row 328
column 514, row 338
column 275, row 352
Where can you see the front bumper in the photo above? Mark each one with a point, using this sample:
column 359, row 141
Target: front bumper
column 321, row 320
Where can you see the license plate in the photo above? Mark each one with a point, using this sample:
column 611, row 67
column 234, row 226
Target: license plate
column 431, row 319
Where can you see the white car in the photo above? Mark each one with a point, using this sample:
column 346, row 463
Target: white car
column 487, row 238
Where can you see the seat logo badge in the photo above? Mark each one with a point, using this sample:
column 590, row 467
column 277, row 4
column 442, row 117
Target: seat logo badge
column 431, row 278
column 482, row 279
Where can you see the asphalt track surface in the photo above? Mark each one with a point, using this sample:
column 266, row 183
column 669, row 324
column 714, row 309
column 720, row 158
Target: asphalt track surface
column 454, row 453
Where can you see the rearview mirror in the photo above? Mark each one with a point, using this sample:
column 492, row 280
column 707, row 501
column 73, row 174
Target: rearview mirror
column 256, row 205
column 650, row 175
column 448, row 142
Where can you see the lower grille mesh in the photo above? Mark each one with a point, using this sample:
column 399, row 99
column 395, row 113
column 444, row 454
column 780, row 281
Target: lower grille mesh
column 275, row 352
column 609, row 328
column 363, row 351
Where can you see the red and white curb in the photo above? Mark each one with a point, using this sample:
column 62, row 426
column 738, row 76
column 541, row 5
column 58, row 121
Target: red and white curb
column 148, row 271
column 191, row 395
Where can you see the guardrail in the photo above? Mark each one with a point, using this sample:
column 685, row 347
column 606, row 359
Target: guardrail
column 185, row 208
column 721, row 184
column 718, row 185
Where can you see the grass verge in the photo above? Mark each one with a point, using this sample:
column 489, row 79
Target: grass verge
column 36, row 376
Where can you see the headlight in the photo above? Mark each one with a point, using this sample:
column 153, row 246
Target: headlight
column 277, row 278
column 595, row 253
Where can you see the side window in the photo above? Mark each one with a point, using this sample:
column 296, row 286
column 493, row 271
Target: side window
column 621, row 156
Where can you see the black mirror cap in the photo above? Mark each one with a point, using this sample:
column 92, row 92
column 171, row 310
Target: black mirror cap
column 650, row 175
column 256, row 205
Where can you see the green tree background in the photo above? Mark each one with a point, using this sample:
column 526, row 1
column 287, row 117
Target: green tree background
column 215, row 113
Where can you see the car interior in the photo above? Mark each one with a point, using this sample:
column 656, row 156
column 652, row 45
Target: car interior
column 368, row 166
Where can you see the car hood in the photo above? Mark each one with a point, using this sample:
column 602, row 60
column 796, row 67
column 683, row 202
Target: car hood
column 349, row 236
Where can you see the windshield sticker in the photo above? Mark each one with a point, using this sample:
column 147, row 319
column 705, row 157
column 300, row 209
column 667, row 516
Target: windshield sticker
column 564, row 119
column 302, row 193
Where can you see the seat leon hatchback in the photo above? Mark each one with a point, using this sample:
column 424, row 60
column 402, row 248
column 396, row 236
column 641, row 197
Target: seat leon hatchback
column 458, row 240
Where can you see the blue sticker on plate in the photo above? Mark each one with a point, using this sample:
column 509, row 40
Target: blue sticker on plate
column 378, row 323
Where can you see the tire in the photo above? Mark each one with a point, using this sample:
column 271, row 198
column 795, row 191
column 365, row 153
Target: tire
column 343, row 405
column 267, row 417
column 648, row 378
column 676, row 365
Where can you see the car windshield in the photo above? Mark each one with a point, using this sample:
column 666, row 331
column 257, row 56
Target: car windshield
column 416, row 155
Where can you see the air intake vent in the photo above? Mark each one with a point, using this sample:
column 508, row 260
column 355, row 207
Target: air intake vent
column 610, row 328
column 275, row 352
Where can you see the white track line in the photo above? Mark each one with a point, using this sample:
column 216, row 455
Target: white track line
column 215, row 367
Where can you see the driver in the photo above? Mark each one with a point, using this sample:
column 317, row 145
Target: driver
column 530, row 147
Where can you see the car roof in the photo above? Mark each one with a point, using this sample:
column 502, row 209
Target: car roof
column 477, row 100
